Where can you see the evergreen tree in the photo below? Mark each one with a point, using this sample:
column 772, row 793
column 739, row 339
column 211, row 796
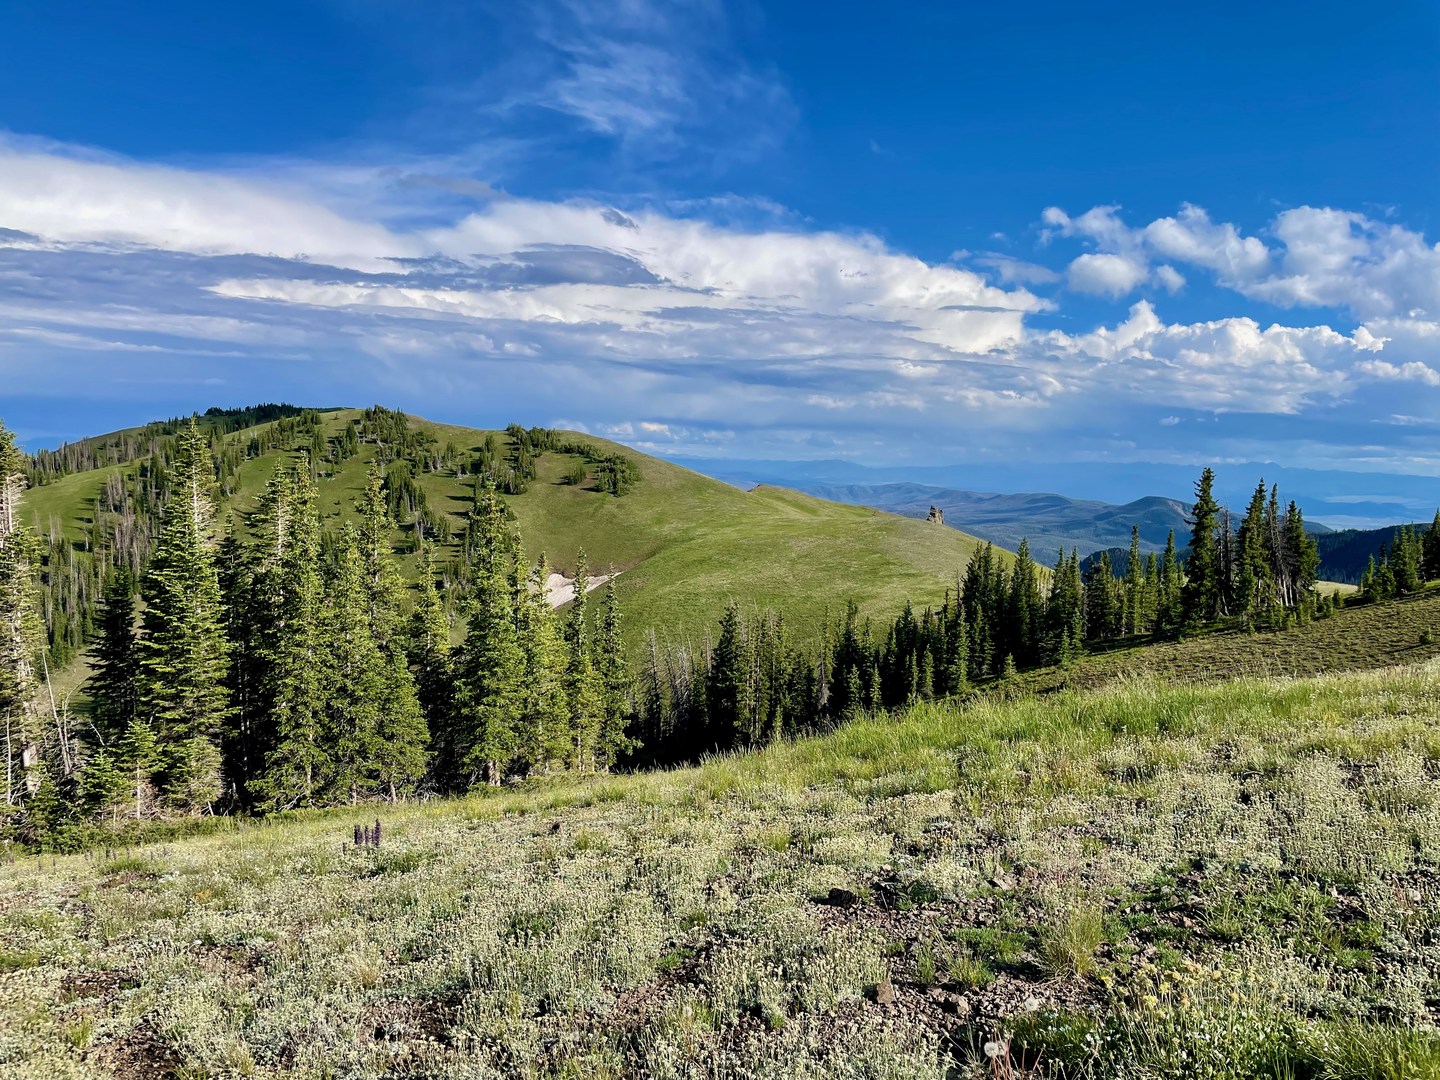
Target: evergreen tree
column 481, row 736
column 1134, row 586
column 1405, row 560
column 21, row 631
column 587, row 704
column 543, row 711
column 1169, row 604
column 1204, row 589
column 353, row 674
column 289, row 595
column 402, row 734
column 430, row 656
column 1103, row 606
column 1254, row 586
column 1024, row 609
column 113, row 687
column 613, row 670
column 1302, row 556
column 731, row 697
column 185, row 653
column 1430, row 550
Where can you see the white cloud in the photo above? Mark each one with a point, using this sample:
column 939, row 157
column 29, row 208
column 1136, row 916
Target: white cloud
column 602, row 314
column 1411, row 371
column 66, row 198
column 1322, row 258
column 1105, row 275
column 1170, row 279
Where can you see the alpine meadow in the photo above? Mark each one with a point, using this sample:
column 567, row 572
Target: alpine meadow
column 719, row 541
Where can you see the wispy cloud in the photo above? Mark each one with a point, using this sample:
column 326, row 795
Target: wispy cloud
column 689, row 317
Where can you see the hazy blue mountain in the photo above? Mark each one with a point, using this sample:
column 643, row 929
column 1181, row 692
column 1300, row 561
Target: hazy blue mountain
column 1339, row 500
column 1050, row 522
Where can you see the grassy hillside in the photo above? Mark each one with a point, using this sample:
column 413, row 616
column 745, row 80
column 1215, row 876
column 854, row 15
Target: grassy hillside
column 685, row 544
column 1356, row 638
column 1232, row 881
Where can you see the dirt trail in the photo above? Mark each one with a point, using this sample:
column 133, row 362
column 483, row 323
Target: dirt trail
column 561, row 590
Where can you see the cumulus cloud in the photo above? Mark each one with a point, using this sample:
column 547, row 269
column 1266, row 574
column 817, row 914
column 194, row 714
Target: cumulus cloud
column 1105, row 274
column 1320, row 257
column 589, row 311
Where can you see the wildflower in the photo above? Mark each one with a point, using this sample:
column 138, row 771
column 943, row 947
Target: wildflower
column 994, row 1049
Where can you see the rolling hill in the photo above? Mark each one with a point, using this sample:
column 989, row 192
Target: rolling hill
column 683, row 544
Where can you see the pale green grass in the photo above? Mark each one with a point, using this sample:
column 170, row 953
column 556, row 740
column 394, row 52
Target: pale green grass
column 1266, row 849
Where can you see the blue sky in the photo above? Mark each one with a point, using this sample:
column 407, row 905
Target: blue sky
column 908, row 234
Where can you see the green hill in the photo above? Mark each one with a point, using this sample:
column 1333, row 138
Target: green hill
column 684, row 544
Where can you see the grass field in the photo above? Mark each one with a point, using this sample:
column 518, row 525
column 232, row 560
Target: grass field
column 1357, row 638
column 685, row 544
column 1234, row 880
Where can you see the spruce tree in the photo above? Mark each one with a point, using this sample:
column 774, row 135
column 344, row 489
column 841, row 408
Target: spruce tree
column 1023, row 631
column 1169, row 605
column 353, row 674
column 1302, row 555
column 1253, row 583
column 1405, row 560
column 1430, row 552
column 185, row 653
column 291, row 588
column 613, row 669
column 543, row 710
column 587, row 704
column 1134, row 586
column 481, row 735
column 113, row 691
column 1203, row 591
column 430, row 656
column 729, row 689
column 402, row 734
column 21, row 631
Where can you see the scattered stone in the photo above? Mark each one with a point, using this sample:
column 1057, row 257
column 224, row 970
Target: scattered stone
column 885, row 992
column 949, row 1002
column 841, row 898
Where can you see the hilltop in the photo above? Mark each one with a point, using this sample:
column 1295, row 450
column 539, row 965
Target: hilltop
column 684, row 545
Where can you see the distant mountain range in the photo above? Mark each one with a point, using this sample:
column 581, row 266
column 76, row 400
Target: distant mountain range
column 1050, row 522
column 1336, row 498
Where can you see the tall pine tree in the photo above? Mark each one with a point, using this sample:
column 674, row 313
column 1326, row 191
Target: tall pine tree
column 113, row 687
column 185, row 653
column 21, row 633
column 1204, row 589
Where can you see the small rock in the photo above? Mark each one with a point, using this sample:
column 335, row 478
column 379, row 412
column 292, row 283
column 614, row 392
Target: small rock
column 842, row 898
column 954, row 1004
column 1002, row 881
column 885, row 992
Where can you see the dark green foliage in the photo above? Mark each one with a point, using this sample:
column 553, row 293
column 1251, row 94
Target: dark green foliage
column 20, row 626
column 1400, row 570
column 1204, row 590
column 185, row 653
column 480, row 739
column 114, row 686
column 1430, row 550
column 582, row 685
